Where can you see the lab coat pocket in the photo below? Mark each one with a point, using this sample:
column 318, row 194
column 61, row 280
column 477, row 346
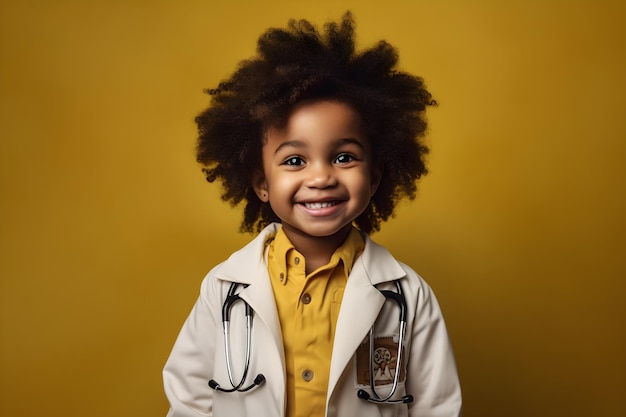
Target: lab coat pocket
column 381, row 360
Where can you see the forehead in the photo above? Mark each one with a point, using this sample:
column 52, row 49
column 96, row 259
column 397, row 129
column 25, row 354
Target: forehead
column 318, row 120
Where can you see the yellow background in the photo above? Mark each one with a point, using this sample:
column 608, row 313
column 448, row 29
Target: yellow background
column 107, row 226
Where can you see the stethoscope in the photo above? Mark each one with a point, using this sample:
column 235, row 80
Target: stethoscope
column 232, row 298
column 398, row 297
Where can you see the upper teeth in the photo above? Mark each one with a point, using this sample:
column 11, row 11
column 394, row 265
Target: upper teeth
column 319, row 205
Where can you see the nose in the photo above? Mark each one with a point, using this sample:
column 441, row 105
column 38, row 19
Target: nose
column 321, row 175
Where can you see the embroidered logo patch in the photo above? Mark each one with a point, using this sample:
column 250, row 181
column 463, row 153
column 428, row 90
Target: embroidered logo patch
column 384, row 359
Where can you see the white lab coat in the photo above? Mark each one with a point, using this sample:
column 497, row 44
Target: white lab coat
column 198, row 354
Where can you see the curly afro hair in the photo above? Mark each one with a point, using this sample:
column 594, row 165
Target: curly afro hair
column 299, row 63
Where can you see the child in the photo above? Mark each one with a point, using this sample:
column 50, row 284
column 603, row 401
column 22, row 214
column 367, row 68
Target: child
column 312, row 318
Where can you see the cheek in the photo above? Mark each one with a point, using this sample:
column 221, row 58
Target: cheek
column 281, row 184
column 359, row 188
column 363, row 183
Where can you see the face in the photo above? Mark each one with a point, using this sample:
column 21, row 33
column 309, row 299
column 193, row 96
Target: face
column 317, row 170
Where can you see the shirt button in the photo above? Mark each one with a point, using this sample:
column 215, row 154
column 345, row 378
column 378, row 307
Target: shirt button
column 282, row 276
column 306, row 298
column 297, row 260
column 307, row 375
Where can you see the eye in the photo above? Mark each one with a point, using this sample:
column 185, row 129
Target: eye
column 293, row 161
column 344, row 158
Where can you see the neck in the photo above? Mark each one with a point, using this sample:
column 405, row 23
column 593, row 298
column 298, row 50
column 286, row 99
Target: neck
column 317, row 250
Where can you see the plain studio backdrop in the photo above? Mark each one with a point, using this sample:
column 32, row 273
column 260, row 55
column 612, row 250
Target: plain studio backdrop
column 107, row 225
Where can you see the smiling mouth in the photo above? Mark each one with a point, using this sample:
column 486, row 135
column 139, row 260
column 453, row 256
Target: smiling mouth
column 324, row 204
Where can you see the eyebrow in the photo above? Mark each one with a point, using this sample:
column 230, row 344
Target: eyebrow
column 300, row 144
column 290, row 143
column 348, row 141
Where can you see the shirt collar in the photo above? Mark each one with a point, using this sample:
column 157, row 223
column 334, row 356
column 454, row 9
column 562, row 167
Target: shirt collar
column 284, row 251
column 375, row 265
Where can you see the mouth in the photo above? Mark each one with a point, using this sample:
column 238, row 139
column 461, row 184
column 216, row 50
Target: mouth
column 320, row 205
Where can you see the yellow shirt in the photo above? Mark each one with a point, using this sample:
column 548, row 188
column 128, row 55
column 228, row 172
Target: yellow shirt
column 308, row 307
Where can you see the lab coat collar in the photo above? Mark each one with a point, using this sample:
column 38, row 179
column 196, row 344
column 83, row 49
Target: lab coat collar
column 243, row 266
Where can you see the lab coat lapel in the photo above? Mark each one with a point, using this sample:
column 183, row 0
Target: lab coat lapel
column 361, row 304
column 359, row 308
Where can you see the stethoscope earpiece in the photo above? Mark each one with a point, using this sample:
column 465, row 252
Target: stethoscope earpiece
column 260, row 379
column 364, row 395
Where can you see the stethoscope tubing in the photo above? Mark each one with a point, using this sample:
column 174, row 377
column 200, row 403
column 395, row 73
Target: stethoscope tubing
column 398, row 297
column 226, row 326
column 232, row 298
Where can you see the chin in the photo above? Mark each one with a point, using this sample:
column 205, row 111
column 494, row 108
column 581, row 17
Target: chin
column 325, row 231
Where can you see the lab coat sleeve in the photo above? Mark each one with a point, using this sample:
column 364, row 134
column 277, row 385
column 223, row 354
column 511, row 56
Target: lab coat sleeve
column 190, row 364
column 432, row 374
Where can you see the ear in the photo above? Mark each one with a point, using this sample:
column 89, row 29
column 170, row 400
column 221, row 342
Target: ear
column 375, row 177
column 261, row 189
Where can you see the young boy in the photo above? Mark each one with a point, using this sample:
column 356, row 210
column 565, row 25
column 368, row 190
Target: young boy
column 312, row 318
